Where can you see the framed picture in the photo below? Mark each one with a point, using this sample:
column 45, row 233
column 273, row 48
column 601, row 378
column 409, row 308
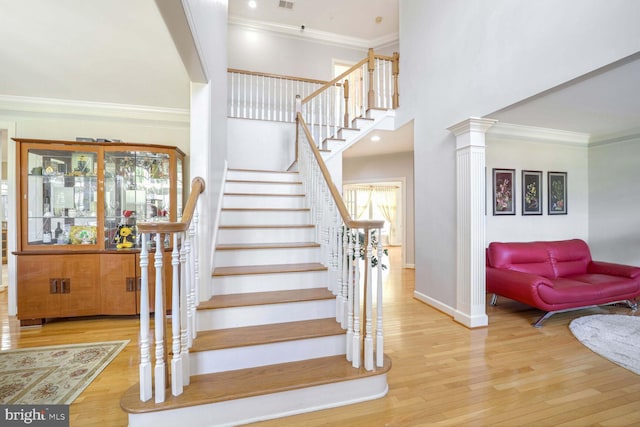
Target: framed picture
column 503, row 191
column 557, row 193
column 531, row 192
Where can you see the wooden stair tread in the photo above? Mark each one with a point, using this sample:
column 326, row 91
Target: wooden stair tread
column 265, row 334
column 261, row 298
column 259, row 170
column 229, row 227
column 283, row 245
column 243, row 383
column 267, row 269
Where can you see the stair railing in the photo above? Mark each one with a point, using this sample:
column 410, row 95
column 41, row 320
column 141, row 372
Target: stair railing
column 370, row 84
column 263, row 96
column 344, row 242
column 184, row 279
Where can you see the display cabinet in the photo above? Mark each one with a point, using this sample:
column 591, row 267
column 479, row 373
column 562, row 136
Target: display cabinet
column 79, row 204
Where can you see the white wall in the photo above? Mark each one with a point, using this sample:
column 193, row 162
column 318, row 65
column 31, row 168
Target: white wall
column 263, row 51
column 614, row 202
column 257, row 144
column 208, row 22
column 462, row 59
column 545, row 157
column 379, row 168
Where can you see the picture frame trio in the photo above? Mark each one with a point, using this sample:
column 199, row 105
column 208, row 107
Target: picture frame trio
column 504, row 189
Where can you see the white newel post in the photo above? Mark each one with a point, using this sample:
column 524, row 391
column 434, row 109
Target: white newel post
column 470, row 171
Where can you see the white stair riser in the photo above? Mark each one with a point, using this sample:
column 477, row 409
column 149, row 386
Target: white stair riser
column 348, row 133
column 262, row 176
column 263, row 188
column 256, row 217
column 333, row 145
column 236, row 317
column 266, row 235
column 246, row 283
column 374, row 114
column 269, row 406
column 286, row 202
column 236, row 257
column 229, row 359
column 362, row 124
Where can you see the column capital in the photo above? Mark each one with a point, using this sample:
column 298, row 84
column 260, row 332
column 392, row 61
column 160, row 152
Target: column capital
column 472, row 124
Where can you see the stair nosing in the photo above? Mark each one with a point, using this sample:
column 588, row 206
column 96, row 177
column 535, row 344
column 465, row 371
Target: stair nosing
column 265, row 334
column 254, row 226
column 251, row 299
column 260, row 171
column 283, row 245
column 241, row 270
column 265, row 194
column 219, row 387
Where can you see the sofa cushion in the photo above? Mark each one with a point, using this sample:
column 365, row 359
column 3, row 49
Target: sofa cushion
column 569, row 257
column 529, row 257
column 608, row 286
column 586, row 288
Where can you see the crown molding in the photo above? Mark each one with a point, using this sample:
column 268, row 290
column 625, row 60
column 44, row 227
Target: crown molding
column 613, row 138
column 507, row 131
column 315, row 35
column 33, row 105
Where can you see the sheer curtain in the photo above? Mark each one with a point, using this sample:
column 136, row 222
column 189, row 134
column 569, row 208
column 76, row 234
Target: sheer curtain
column 386, row 201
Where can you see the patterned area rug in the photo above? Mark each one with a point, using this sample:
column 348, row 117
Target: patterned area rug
column 613, row 336
column 52, row 375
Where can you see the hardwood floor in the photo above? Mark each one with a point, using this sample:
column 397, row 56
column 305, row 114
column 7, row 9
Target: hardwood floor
column 443, row 373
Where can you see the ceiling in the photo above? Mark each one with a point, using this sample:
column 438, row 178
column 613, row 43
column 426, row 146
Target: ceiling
column 360, row 22
column 603, row 104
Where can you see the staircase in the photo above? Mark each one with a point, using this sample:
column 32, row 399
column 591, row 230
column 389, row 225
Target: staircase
column 268, row 344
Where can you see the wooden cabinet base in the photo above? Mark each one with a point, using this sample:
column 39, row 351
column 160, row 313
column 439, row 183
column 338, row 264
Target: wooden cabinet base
column 76, row 285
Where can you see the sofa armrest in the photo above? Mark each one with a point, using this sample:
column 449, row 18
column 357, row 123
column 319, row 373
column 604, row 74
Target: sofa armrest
column 498, row 278
column 611, row 269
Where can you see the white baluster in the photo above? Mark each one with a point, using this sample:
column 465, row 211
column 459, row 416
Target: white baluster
column 368, row 293
column 379, row 302
column 196, row 259
column 184, row 309
column 189, row 277
column 349, row 275
column 176, row 360
column 356, row 304
column 146, row 379
column 159, row 371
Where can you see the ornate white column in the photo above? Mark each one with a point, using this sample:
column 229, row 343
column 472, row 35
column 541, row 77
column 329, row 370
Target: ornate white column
column 470, row 175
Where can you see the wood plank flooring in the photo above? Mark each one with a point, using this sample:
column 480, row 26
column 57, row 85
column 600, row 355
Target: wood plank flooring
column 509, row 374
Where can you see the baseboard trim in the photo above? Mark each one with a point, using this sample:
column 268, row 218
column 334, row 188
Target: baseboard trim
column 438, row 305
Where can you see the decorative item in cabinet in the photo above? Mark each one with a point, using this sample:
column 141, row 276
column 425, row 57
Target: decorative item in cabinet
column 73, row 199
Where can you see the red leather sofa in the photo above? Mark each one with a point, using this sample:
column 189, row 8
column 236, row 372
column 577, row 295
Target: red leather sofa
column 557, row 276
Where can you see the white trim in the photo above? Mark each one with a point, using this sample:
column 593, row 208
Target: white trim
column 25, row 104
column 12, row 215
column 216, row 225
column 614, row 138
column 438, row 305
column 412, row 266
column 323, row 37
column 531, row 133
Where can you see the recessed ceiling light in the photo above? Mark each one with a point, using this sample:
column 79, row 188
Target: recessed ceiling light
column 375, row 138
column 253, row 4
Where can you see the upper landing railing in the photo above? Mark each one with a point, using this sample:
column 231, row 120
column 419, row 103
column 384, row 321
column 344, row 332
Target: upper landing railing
column 372, row 83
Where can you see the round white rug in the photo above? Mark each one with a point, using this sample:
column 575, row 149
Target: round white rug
column 613, row 336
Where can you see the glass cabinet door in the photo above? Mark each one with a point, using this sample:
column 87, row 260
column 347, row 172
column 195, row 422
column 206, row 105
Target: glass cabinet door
column 137, row 189
column 61, row 205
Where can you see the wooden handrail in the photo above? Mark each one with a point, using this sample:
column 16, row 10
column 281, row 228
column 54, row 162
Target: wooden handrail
column 335, row 81
column 344, row 213
column 276, row 76
column 197, row 187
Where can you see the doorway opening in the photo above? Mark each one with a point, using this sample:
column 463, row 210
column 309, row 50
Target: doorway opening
column 385, row 201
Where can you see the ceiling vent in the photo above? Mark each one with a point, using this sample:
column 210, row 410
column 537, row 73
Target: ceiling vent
column 287, row 4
